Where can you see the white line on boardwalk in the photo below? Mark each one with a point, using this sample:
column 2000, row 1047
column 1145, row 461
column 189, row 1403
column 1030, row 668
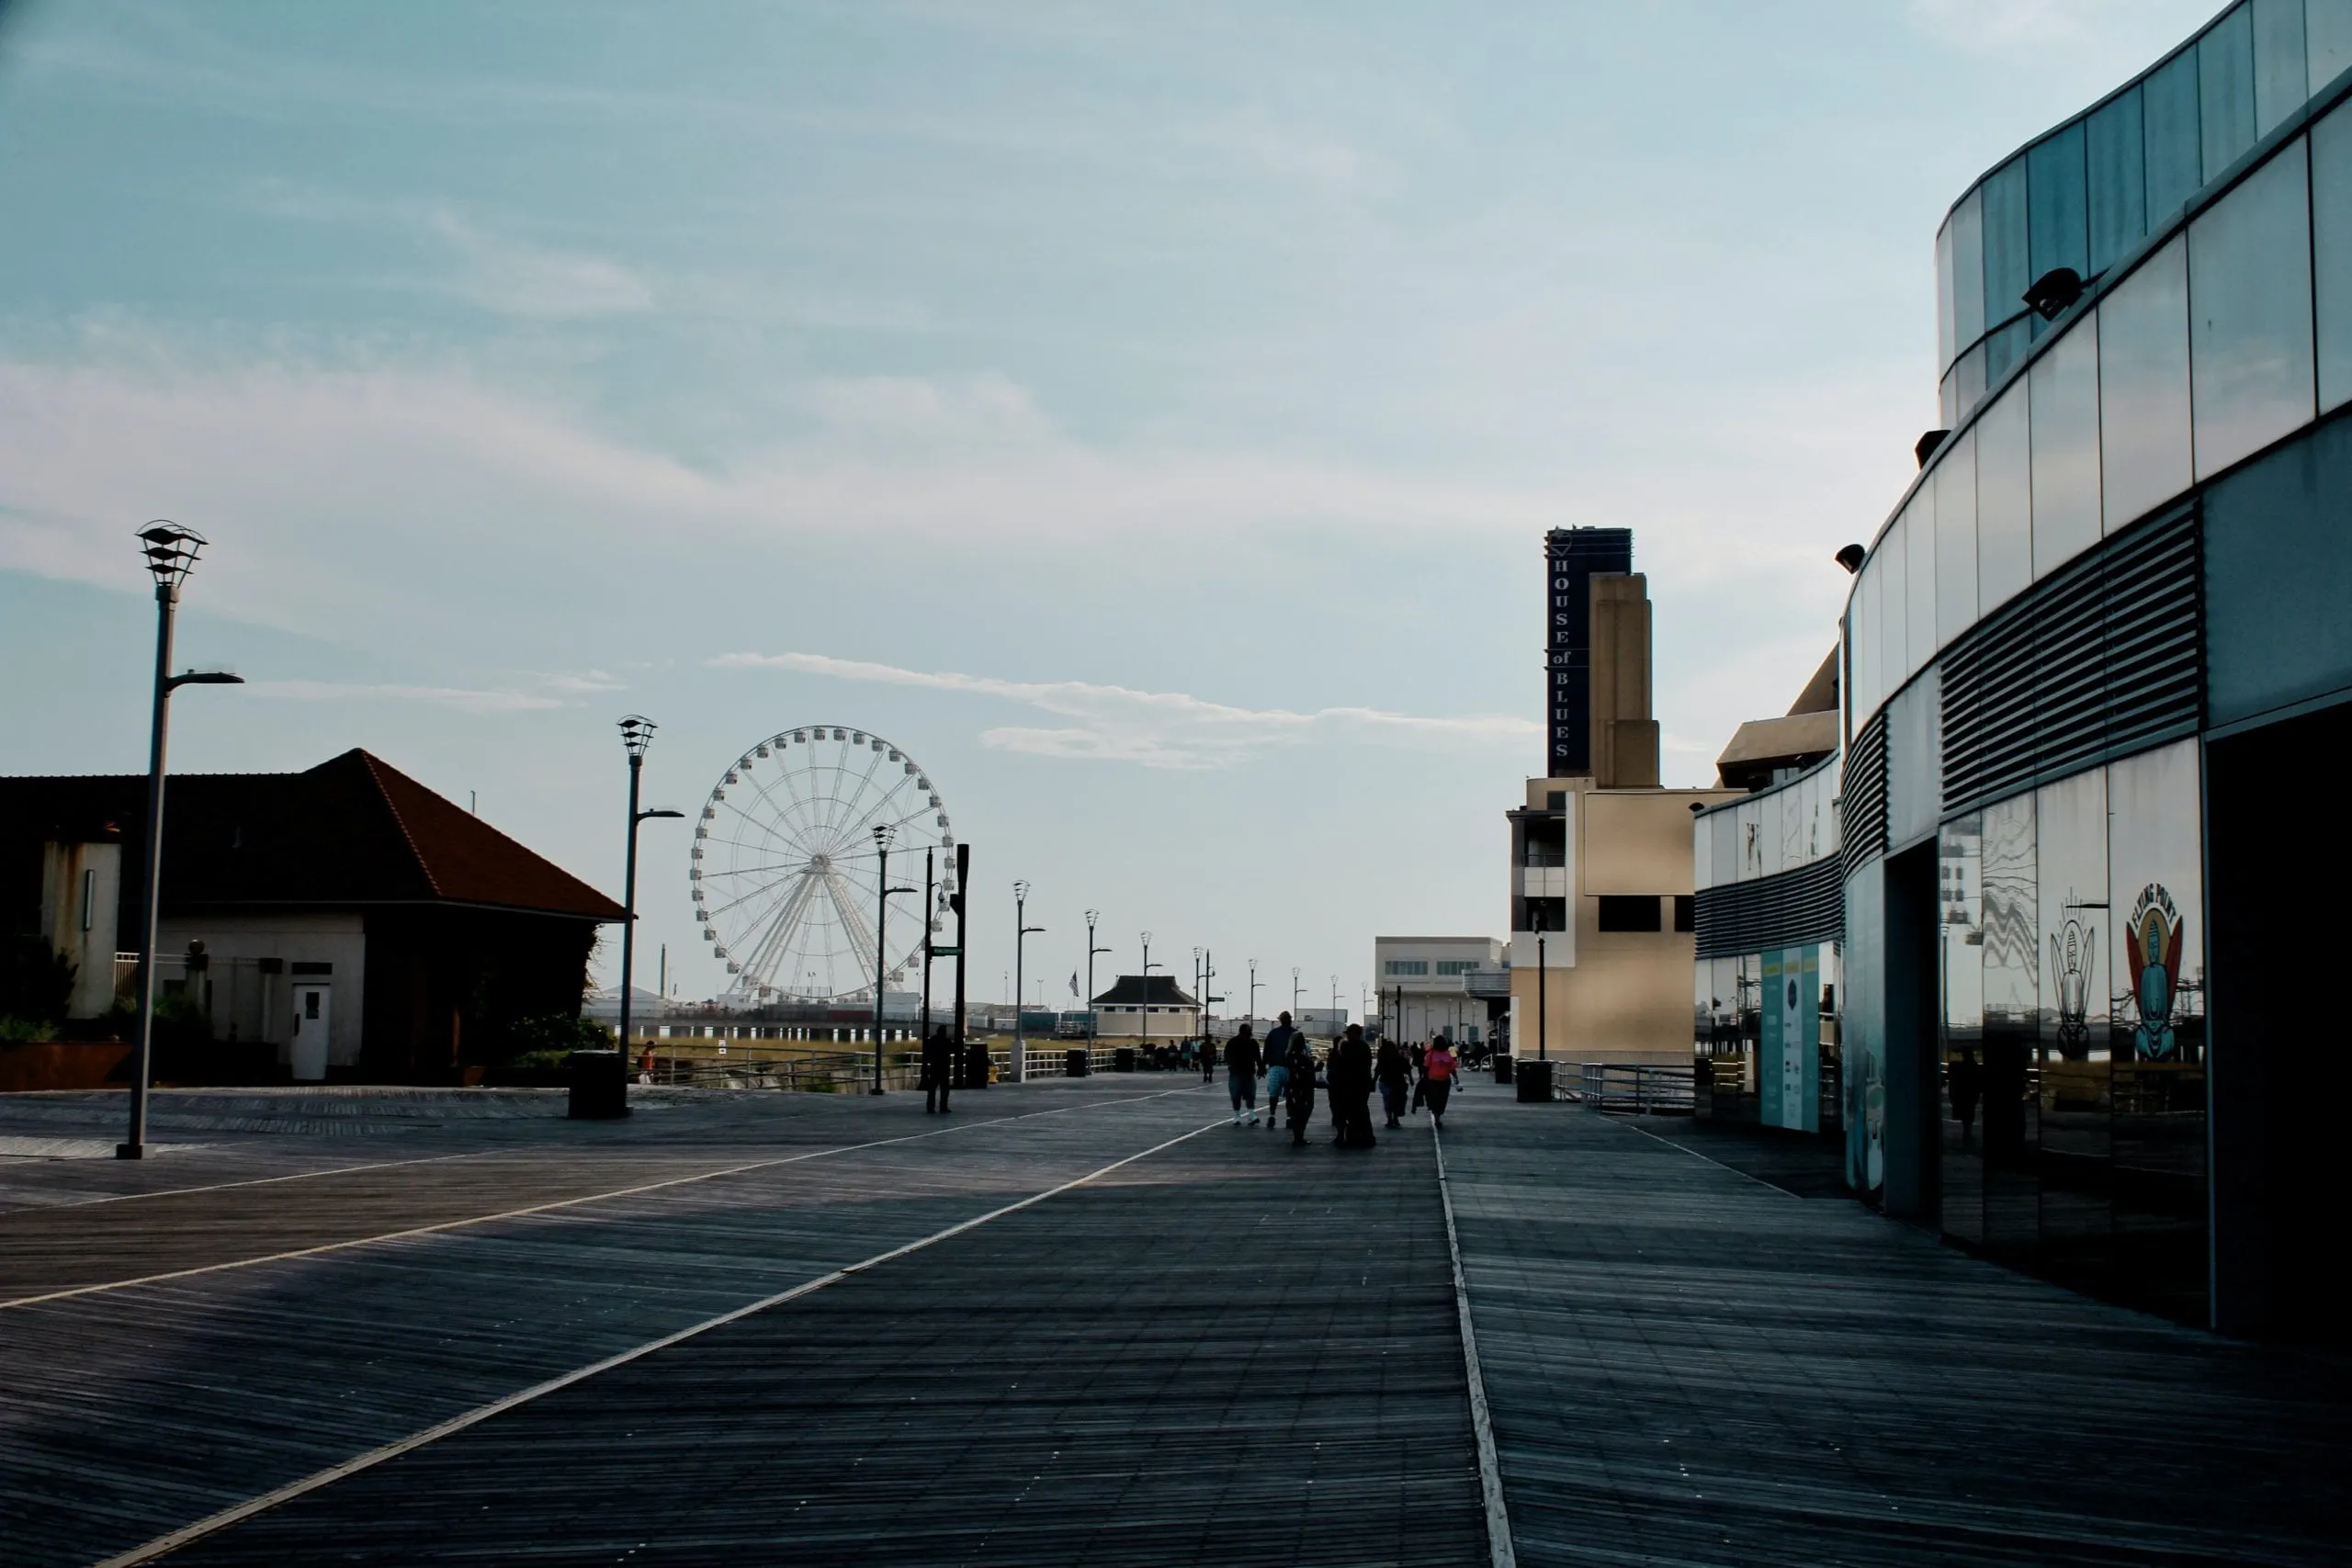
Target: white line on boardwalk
column 257, row 1181
column 189, row 1534
column 528, row 1210
column 1491, row 1470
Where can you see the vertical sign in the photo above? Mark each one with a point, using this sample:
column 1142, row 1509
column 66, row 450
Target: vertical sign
column 1571, row 558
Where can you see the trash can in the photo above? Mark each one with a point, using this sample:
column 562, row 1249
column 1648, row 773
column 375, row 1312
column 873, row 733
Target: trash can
column 1535, row 1081
column 976, row 1066
column 599, row 1085
column 1502, row 1067
column 1123, row 1060
column 1074, row 1062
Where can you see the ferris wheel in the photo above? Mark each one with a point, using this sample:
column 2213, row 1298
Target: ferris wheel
column 783, row 864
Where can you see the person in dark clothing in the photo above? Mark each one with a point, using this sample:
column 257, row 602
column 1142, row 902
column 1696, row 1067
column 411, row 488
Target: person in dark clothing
column 1298, row 1095
column 938, row 1070
column 1965, row 1080
column 1438, row 1067
column 1421, row 1074
column 1207, row 1058
column 1276, row 1056
column 1389, row 1066
column 1350, row 1080
column 1241, row 1076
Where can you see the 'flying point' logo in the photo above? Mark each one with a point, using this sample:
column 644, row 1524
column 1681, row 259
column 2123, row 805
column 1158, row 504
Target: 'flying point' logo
column 2151, row 944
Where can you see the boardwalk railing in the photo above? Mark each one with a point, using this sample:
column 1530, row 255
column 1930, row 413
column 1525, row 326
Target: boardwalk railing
column 1639, row 1088
column 822, row 1072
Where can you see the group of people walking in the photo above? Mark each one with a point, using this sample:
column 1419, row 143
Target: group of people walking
column 1425, row 1073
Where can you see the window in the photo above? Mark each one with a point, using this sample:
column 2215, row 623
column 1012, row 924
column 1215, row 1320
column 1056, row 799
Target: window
column 2058, row 227
column 2143, row 414
column 2004, row 500
column 1405, row 966
column 2168, row 103
column 2007, row 267
column 2118, row 188
column 1956, row 539
column 2225, row 90
column 2327, row 40
column 2331, row 157
column 2250, row 322
column 1919, row 613
column 2064, row 384
column 1629, row 912
column 1968, row 273
column 2280, row 86
column 1686, row 912
column 1457, row 965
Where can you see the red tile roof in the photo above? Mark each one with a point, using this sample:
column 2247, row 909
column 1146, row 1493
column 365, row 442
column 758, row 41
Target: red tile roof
column 354, row 830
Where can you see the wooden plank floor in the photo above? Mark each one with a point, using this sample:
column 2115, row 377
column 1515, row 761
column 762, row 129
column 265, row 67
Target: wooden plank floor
column 1228, row 1351
column 1687, row 1366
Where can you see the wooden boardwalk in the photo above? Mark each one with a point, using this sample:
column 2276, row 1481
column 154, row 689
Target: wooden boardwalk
column 1155, row 1339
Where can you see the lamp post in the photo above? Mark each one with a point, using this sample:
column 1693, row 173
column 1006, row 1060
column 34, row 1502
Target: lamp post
column 1201, row 988
column 1143, row 1004
column 1023, row 931
column 1093, row 1020
column 930, row 928
column 171, row 551
column 1543, row 1016
column 637, row 734
column 1295, row 1010
column 883, row 834
column 1253, row 991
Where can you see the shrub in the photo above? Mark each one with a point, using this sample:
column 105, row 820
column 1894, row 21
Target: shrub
column 547, row 1041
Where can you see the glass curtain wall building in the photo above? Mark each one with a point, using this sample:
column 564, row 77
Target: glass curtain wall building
column 2092, row 665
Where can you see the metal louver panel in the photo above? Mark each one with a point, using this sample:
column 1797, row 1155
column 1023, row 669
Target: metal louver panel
column 2100, row 658
column 1807, row 905
column 1863, row 816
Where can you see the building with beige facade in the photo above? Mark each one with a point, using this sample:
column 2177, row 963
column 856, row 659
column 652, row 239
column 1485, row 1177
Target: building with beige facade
column 1601, row 914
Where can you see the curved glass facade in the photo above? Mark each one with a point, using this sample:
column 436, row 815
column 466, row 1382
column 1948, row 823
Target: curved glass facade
column 2223, row 333
column 2085, row 194
column 2113, row 598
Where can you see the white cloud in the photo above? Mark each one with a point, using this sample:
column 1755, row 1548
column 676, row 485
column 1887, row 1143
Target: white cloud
column 1159, row 729
column 461, row 698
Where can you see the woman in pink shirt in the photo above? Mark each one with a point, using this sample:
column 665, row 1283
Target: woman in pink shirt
column 1437, row 1068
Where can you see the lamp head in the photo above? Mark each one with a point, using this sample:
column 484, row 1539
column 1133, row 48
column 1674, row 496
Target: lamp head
column 883, row 833
column 171, row 550
column 1092, row 916
column 1851, row 556
column 637, row 734
column 2054, row 293
column 1020, row 889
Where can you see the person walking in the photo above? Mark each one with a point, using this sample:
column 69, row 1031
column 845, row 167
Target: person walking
column 1241, row 1076
column 938, row 1070
column 1389, row 1066
column 1437, row 1087
column 1208, row 1056
column 1279, row 1040
column 1351, row 1080
column 1420, row 1073
column 1298, row 1096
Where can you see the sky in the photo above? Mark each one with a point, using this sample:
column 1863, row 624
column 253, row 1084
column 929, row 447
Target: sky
column 1147, row 416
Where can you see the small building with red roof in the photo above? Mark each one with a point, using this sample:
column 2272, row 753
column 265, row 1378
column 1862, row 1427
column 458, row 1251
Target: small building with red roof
column 344, row 921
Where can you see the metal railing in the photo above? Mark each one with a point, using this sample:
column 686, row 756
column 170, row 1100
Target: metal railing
column 823, row 1072
column 1640, row 1089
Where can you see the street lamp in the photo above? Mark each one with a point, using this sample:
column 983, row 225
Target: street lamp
column 1295, row 1010
column 1253, row 990
column 883, row 833
column 171, row 551
column 1093, row 1020
column 1543, row 1016
column 1143, row 1004
column 1023, row 932
column 637, row 734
